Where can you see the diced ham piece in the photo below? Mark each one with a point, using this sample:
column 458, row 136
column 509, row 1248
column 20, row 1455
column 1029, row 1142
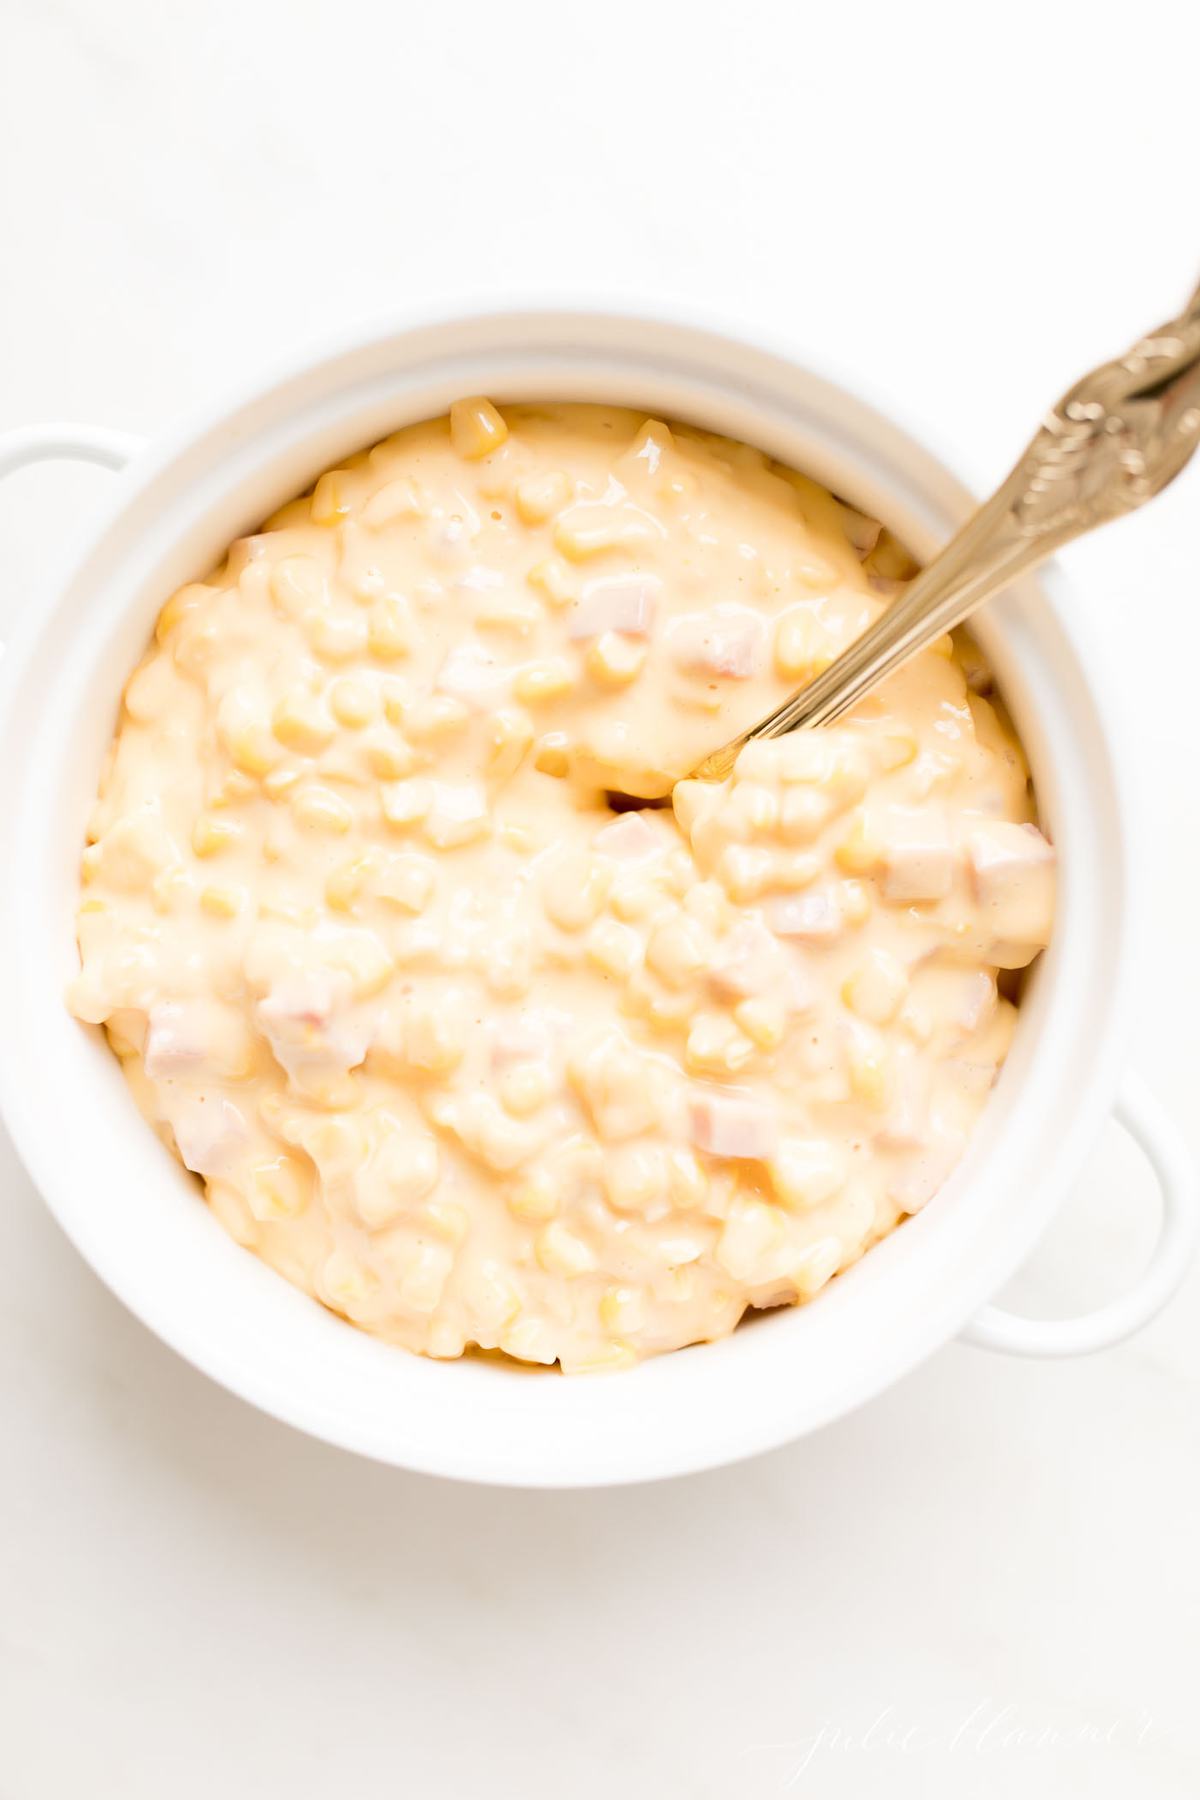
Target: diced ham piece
column 907, row 1121
column 750, row 962
column 629, row 836
column 922, row 1173
column 918, row 856
column 209, row 1130
column 732, row 1125
column 816, row 918
column 179, row 1038
column 978, row 999
column 621, row 603
column 526, row 1038
column 798, row 990
column 471, row 674
column 862, row 532
column 727, row 641
column 306, row 1021
column 479, row 579
column 1001, row 853
column 1012, row 877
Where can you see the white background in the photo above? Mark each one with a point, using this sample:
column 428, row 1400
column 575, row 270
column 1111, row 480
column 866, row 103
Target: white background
column 964, row 205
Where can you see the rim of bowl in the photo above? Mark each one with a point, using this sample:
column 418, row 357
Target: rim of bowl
column 189, row 429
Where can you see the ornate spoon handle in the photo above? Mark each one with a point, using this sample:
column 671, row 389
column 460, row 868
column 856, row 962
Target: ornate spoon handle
column 1114, row 441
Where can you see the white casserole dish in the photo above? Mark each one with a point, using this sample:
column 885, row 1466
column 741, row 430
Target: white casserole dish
column 139, row 1219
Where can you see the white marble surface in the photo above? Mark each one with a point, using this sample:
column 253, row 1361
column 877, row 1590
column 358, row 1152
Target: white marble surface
column 985, row 1583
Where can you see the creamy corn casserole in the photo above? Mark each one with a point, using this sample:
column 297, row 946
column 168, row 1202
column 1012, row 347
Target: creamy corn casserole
column 454, row 1047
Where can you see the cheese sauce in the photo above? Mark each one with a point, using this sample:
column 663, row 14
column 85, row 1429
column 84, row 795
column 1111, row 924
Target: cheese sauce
column 453, row 1047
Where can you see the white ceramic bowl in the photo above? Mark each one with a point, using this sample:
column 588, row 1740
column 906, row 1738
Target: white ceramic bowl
column 137, row 1217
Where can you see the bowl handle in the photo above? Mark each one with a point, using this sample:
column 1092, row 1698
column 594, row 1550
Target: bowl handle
column 71, row 443
column 1136, row 1109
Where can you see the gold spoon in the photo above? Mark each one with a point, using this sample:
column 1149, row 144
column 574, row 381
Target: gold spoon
column 1114, row 441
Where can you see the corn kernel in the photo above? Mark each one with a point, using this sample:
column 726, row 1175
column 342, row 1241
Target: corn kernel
column 210, row 835
column 538, row 496
column 394, row 500
column 348, row 884
column 617, row 949
column 806, row 1172
column 448, row 1219
column 750, row 1240
column 678, row 949
column 614, row 660
column 339, row 1146
column 795, row 869
column 715, row 1046
column 390, row 630
column 457, row 816
column 300, row 723
column 524, row 1088
column 408, row 882
column 222, row 902
column 405, row 1171
column 490, row 1298
column 553, row 754
column 278, row 1189
column 396, row 698
column 899, row 749
column 169, row 888
column 182, row 604
column 553, row 579
column 598, row 1359
column 533, row 1197
column 476, row 428
column 435, row 716
column 446, row 1339
column 352, row 703
column 686, row 1181
column 744, row 871
column 573, row 890
column 332, row 497
column 530, row 1340
column 233, row 788
column 279, row 782
column 763, row 1020
column 506, row 611
column 943, row 646
column 405, row 803
column 804, row 811
column 634, row 897
column 635, row 1176
column 858, row 853
column 561, row 1252
column 855, row 903
column 320, row 809
column 424, row 1280
column 622, row 1310
column 545, row 681
column 435, row 1033
column 335, row 637
column 388, row 755
column 590, row 529
column 799, row 643
column 819, row 1264
column 869, row 1070
column 253, row 750
column 876, row 988
column 509, row 735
